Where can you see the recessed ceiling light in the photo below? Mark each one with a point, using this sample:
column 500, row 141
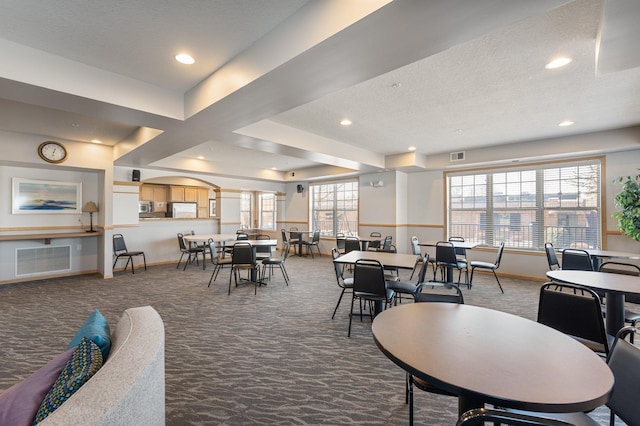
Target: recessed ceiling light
column 396, row 85
column 345, row 122
column 557, row 63
column 183, row 58
column 412, row 148
column 566, row 123
column 96, row 141
column 274, row 168
column 200, row 157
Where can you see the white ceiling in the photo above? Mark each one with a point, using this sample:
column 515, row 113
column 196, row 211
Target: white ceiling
column 272, row 79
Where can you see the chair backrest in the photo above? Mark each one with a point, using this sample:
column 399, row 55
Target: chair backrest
column 119, row 245
column 624, row 269
column 552, row 259
column 375, row 234
column 446, row 253
column 439, row 292
column 351, row 244
column 337, row 266
column 499, row 256
column 573, row 310
column 368, row 278
column 242, row 236
column 284, row 235
column 243, row 254
column 459, row 250
column 415, row 248
column 387, row 242
column 181, row 243
column 624, row 362
column 340, row 241
column 576, row 259
column 263, row 249
column 286, row 250
column 423, row 269
column 316, row 236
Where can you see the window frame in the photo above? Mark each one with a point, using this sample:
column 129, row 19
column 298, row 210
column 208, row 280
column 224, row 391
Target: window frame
column 272, row 212
column 337, row 194
column 495, row 214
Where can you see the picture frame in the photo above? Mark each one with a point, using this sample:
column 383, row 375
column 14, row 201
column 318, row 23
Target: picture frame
column 33, row 196
column 212, row 207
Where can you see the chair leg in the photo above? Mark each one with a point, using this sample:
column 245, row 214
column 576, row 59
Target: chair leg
column 144, row 259
column 338, row 304
column 496, row 275
column 473, row 268
column 410, row 392
column 178, row 265
column 284, row 274
column 351, row 315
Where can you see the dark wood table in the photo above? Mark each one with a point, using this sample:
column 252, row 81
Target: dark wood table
column 486, row 356
column 614, row 285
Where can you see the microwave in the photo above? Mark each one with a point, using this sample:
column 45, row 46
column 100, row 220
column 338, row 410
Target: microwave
column 145, row 207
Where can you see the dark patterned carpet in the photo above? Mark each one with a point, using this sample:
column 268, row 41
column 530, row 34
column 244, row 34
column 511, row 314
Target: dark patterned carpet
column 273, row 358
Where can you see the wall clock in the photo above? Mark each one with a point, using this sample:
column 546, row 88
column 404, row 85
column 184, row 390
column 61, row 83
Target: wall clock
column 52, row 152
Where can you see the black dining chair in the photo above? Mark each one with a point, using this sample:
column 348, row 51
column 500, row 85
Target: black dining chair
column 314, row 242
column 447, row 260
column 488, row 265
column 613, row 267
column 552, row 259
column 369, row 286
column 244, row 258
column 218, row 260
column 577, row 260
column 575, row 311
column 340, row 241
column 192, row 252
column 408, row 288
column 271, row 262
column 345, row 283
column 415, row 250
column 374, row 244
column 120, row 251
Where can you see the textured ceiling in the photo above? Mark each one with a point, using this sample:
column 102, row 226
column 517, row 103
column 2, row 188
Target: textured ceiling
column 273, row 79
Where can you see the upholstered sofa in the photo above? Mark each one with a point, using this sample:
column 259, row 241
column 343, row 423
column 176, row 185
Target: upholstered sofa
column 129, row 388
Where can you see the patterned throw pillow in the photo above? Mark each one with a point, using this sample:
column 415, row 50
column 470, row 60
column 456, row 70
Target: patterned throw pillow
column 84, row 363
column 95, row 328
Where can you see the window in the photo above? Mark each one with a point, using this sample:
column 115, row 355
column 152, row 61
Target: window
column 334, row 208
column 267, row 210
column 246, row 201
column 528, row 206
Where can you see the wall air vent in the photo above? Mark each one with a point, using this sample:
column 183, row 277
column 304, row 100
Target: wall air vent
column 456, row 156
column 42, row 260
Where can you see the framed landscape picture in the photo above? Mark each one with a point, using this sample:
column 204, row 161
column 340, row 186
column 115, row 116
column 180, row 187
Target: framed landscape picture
column 31, row 196
column 212, row 207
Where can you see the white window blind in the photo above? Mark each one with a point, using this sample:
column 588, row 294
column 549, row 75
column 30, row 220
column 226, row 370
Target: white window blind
column 528, row 206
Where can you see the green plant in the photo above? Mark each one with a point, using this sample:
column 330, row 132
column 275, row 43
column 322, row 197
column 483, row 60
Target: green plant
column 628, row 200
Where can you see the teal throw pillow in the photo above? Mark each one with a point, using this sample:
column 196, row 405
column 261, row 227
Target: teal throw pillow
column 95, row 328
column 85, row 361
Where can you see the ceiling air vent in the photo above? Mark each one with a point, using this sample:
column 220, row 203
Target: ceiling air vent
column 456, row 156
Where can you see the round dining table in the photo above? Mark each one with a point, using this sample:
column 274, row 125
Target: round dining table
column 614, row 285
column 487, row 356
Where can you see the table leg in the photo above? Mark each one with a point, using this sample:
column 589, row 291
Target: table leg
column 614, row 306
column 365, row 245
column 449, row 274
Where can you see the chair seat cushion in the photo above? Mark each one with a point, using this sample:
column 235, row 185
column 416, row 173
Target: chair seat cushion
column 478, row 264
column 273, row 261
column 348, row 282
column 630, row 316
column 402, row 287
column 577, row 419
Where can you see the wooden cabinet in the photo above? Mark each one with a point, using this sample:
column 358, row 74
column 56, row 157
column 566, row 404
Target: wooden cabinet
column 191, row 195
column 161, row 194
column 177, row 193
column 203, row 202
column 146, row 193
